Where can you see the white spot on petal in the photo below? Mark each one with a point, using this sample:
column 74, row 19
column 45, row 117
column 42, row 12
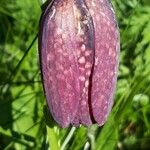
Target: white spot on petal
column 96, row 61
column 110, row 51
column 93, row 4
column 66, row 72
column 81, row 78
column 84, row 90
column 78, row 53
column 50, row 57
column 88, row 65
column 59, row 31
column 86, row 83
column 87, row 53
column 83, row 47
column 81, row 60
column 81, row 69
column 59, row 50
column 88, row 72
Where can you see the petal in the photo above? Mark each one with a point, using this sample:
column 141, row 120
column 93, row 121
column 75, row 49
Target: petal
column 85, row 54
column 106, row 58
column 59, row 64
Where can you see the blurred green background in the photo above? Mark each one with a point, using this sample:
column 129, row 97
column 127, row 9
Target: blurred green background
column 22, row 123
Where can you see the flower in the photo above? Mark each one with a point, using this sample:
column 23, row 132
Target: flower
column 79, row 48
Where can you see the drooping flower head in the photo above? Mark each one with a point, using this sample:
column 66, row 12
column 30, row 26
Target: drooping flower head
column 79, row 48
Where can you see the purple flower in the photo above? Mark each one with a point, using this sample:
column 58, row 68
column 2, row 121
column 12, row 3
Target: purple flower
column 79, row 48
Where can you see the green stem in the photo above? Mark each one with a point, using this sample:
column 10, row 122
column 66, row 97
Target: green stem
column 91, row 135
column 52, row 139
column 68, row 138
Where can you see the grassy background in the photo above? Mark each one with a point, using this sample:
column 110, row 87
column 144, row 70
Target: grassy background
column 22, row 123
